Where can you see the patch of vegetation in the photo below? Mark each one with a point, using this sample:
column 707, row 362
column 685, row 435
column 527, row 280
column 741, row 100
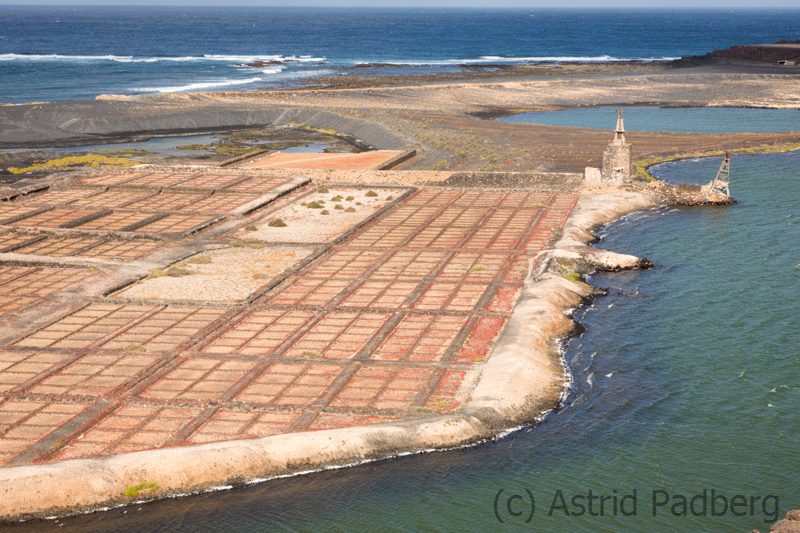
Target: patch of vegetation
column 350, row 198
column 135, row 348
column 371, row 194
column 574, row 277
column 134, row 491
column 441, row 405
column 123, row 153
column 177, row 271
column 315, row 205
column 199, row 260
column 247, row 243
column 389, row 198
column 91, row 161
column 306, row 127
column 228, row 150
column 310, row 354
column 337, row 198
column 276, row 223
column 441, row 164
column 642, row 166
column 478, row 268
column 350, row 210
column 157, row 273
column 322, row 189
column 203, row 147
column 324, row 212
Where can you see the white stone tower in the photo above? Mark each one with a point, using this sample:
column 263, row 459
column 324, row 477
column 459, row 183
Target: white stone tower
column 617, row 157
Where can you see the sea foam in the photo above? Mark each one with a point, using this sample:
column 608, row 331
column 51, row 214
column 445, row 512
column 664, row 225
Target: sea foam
column 512, row 60
column 156, row 59
column 195, row 86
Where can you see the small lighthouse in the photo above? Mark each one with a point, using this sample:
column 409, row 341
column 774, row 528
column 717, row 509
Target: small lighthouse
column 617, row 156
column 619, row 133
column 719, row 187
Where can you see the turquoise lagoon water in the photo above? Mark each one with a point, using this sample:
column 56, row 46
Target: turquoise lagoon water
column 687, row 379
column 685, row 119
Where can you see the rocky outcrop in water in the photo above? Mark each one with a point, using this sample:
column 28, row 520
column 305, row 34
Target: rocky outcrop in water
column 789, row 524
column 262, row 64
column 781, row 51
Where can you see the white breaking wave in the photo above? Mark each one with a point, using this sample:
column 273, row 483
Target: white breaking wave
column 251, row 59
column 57, row 57
column 156, row 59
column 527, row 59
column 194, row 86
column 271, row 70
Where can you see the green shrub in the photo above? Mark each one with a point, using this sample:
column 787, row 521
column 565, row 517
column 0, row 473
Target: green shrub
column 90, row 160
column 134, row 491
column 199, row 260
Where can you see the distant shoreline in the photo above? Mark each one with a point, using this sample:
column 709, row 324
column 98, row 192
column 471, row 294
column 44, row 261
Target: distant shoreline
column 44, row 55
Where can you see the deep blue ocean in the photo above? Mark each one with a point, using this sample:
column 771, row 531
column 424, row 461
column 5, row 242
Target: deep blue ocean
column 63, row 53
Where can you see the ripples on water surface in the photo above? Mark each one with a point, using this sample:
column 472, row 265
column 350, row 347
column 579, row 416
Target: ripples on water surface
column 77, row 52
column 688, row 378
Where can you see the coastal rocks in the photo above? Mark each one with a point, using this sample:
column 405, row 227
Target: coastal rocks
column 781, row 52
column 789, row 524
column 593, row 259
column 687, row 195
column 262, row 64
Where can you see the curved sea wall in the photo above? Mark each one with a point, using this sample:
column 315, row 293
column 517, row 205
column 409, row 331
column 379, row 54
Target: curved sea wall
column 523, row 378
